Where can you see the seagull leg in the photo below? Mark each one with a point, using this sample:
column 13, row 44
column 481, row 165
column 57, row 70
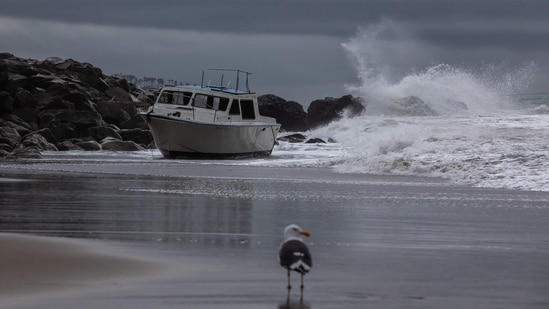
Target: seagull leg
column 302, row 282
column 289, row 285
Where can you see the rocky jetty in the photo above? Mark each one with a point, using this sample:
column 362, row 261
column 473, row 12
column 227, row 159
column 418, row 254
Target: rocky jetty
column 323, row 111
column 293, row 117
column 290, row 114
column 62, row 104
column 59, row 104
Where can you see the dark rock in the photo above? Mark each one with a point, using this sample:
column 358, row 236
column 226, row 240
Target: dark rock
column 39, row 142
column 63, row 131
column 412, row 106
column 315, row 140
column 10, row 137
column 293, row 138
column 29, row 115
column 289, row 114
column 15, row 65
column 134, row 122
column 12, row 121
column 89, row 145
column 70, row 92
column 3, row 152
column 56, row 98
column 47, row 134
column 116, row 112
column 55, row 103
column 322, row 112
column 67, row 146
column 24, row 98
column 100, row 133
column 118, row 94
column 80, row 120
column 139, row 136
column 6, row 103
column 24, row 152
column 119, row 145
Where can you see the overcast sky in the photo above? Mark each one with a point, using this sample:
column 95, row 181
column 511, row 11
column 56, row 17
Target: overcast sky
column 298, row 49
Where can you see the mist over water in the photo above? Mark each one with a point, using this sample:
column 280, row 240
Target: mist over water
column 465, row 124
column 392, row 64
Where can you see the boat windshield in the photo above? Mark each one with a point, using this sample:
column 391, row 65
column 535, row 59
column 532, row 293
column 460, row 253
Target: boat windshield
column 175, row 97
column 210, row 102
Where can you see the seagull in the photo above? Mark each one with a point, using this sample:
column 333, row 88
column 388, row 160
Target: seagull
column 294, row 254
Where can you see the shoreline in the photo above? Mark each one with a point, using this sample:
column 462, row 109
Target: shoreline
column 35, row 266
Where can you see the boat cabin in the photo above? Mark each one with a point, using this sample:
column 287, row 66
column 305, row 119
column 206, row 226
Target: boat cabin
column 194, row 97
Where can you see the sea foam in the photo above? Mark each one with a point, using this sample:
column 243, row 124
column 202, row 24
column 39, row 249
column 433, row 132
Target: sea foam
column 445, row 121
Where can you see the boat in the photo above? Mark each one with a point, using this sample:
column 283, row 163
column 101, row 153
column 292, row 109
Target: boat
column 211, row 121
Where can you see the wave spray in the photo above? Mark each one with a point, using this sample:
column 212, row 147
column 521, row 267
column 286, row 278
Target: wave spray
column 438, row 119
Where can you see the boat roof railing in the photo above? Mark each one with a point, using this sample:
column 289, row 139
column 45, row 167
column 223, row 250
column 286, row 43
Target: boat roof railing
column 220, row 87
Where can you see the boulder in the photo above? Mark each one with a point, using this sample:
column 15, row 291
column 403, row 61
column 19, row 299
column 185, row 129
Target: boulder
column 47, row 134
column 89, row 145
column 289, row 114
column 80, row 121
column 116, row 112
column 113, row 144
column 14, row 122
column 293, row 138
column 100, row 133
column 139, row 136
column 24, row 98
column 67, row 146
column 6, row 103
column 24, row 152
column 28, row 114
column 118, row 94
column 9, row 137
column 39, row 142
column 315, row 140
column 321, row 112
column 412, row 106
column 136, row 122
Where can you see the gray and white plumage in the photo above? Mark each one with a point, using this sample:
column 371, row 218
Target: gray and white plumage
column 294, row 254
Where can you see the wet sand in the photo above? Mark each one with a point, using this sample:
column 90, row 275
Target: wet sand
column 377, row 241
column 32, row 266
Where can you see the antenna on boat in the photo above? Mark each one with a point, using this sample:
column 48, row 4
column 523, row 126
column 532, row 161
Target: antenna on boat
column 202, row 80
column 237, row 78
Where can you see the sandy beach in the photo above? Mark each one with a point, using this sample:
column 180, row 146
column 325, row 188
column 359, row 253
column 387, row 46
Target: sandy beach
column 377, row 241
column 35, row 265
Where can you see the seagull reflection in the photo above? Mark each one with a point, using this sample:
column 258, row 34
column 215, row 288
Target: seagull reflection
column 294, row 305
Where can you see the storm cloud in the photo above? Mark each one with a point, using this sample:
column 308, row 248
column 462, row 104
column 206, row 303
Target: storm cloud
column 293, row 47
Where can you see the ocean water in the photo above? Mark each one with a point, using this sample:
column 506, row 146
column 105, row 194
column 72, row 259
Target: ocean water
column 504, row 147
column 476, row 125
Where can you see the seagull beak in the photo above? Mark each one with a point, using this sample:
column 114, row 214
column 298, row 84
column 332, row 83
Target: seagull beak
column 305, row 233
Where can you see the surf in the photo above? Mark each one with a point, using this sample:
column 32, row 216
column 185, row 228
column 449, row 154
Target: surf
column 440, row 120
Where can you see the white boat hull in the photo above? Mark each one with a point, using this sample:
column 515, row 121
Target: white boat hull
column 176, row 137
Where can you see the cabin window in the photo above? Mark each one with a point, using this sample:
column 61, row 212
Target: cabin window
column 166, row 97
column 175, row 97
column 200, row 100
column 211, row 102
column 235, row 108
column 248, row 111
column 222, row 104
column 183, row 98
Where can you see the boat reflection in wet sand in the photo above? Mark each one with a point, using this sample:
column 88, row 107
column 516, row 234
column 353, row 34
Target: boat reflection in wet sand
column 210, row 121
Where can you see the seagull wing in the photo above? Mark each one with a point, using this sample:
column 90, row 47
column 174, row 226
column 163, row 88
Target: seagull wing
column 294, row 255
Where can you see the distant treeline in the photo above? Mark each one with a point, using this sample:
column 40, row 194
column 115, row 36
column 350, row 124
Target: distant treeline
column 147, row 82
